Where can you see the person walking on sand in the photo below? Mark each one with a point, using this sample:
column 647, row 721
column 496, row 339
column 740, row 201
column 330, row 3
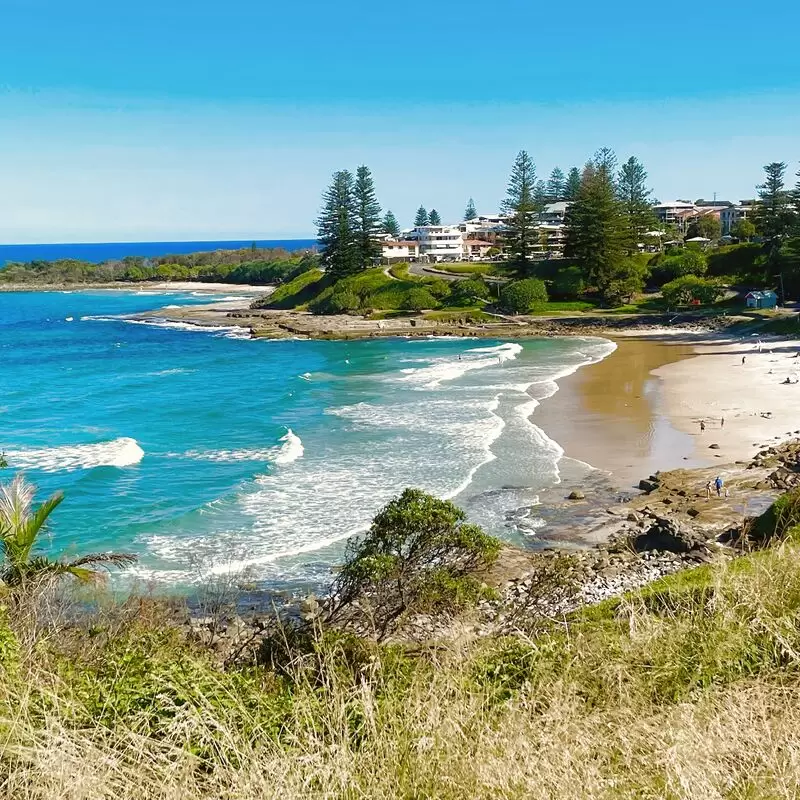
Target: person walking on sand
column 708, row 490
column 718, row 486
column 743, row 358
column 702, row 425
column 722, row 422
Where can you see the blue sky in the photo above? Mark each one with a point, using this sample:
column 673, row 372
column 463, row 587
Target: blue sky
column 205, row 120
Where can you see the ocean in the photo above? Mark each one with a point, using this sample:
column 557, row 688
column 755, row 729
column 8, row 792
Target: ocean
column 210, row 454
column 97, row 252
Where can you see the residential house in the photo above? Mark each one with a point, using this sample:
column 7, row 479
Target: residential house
column 393, row 250
column 767, row 299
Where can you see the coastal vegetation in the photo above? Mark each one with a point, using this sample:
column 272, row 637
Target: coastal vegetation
column 685, row 688
column 252, row 265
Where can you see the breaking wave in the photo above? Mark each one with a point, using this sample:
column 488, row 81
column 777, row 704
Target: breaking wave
column 122, row 452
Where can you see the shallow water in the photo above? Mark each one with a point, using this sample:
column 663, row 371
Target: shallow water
column 208, row 453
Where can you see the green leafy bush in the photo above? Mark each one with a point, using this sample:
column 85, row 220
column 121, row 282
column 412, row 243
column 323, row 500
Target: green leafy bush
column 568, row 283
column 522, row 296
column 418, row 299
column 466, row 292
column 344, row 302
column 689, row 288
column 419, row 556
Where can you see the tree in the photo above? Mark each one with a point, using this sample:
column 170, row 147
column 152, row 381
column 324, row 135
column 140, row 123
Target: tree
column 434, row 218
column 635, row 198
column 707, row 226
column 337, row 227
column 470, row 212
column 540, row 197
column 3, row 461
column 390, row 225
column 20, row 526
column 773, row 217
column 556, row 185
column 520, row 297
column 689, row 288
column 743, row 230
column 605, row 159
column 573, row 184
column 626, row 279
column 568, row 283
column 596, row 227
column 520, row 205
column 419, row 556
column 368, row 218
column 422, row 217
column 468, row 291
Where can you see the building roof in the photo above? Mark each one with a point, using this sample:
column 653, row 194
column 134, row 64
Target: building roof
column 761, row 294
column 698, row 239
column 675, row 204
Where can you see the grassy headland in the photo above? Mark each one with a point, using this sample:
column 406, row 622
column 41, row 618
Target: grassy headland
column 686, row 688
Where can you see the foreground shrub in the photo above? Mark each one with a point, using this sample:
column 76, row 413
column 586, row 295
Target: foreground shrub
column 520, row 297
column 419, row 556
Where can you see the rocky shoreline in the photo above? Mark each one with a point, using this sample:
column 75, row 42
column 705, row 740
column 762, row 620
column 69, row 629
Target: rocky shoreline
column 669, row 526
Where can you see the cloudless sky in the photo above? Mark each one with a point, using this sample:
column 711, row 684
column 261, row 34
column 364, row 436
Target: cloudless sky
column 168, row 119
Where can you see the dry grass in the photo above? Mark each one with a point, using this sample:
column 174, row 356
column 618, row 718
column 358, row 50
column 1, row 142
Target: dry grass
column 688, row 690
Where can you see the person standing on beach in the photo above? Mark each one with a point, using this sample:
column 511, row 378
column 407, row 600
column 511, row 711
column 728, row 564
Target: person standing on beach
column 718, row 486
column 722, row 422
column 743, row 360
column 702, row 425
column 708, row 489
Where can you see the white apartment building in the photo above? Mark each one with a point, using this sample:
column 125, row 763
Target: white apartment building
column 676, row 212
column 728, row 217
column 399, row 250
column 438, row 242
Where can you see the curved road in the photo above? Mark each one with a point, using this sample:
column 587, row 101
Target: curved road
column 427, row 271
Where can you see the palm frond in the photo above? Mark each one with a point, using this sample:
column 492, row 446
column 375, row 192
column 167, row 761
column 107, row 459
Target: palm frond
column 120, row 560
column 15, row 502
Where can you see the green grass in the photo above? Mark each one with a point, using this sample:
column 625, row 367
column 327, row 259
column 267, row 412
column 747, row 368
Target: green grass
column 559, row 306
column 296, row 292
column 373, row 287
column 687, row 688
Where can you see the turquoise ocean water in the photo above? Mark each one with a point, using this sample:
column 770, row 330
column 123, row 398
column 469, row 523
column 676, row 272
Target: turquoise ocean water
column 207, row 453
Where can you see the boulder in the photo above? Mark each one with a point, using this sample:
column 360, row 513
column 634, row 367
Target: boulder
column 713, row 447
column 648, row 485
column 668, row 535
column 576, row 494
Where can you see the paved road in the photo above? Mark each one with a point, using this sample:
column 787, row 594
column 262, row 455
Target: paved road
column 425, row 271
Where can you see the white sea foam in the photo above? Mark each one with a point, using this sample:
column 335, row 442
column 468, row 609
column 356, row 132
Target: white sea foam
column 440, row 441
column 228, row 331
column 122, row 452
column 450, row 368
column 291, row 448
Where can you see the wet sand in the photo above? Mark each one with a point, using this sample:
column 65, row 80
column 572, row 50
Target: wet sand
column 614, row 414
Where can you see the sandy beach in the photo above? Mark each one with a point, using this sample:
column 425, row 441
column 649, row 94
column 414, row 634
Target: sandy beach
column 639, row 410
